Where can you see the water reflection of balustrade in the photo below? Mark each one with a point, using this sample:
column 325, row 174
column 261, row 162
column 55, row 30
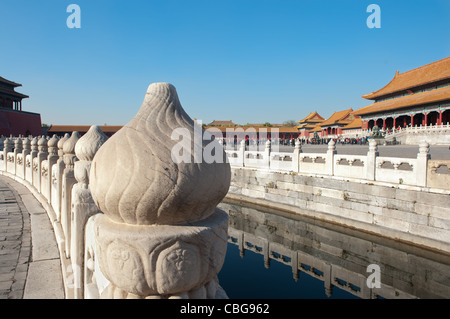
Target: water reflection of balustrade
column 337, row 258
column 415, row 172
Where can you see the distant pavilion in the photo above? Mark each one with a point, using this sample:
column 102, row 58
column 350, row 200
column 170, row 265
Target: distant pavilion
column 333, row 126
column 13, row 120
column 308, row 123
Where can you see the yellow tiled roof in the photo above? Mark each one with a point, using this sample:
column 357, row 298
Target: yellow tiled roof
column 433, row 72
column 406, row 101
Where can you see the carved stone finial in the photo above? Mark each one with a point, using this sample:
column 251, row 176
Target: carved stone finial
column 161, row 234
column 26, row 144
column 7, row 144
column 134, row 180
column 18, row 146
column 89, row 144
column 69, row 149
column 34, row 144
column 85, row 150
column 53, row 145
column 42, row 145
column 61, row 144
column 373, row 145
column 424, row 147
column 332, row 146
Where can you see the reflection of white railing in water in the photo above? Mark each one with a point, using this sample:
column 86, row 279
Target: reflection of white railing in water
column 336, row 257
column 332, row 275
column 371, row 167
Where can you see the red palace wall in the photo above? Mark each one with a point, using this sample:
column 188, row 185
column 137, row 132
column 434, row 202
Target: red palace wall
column 19, row 123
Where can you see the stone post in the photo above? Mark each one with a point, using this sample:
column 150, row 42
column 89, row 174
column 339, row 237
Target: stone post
column 241, row 153
column 371, row 160
column 329, row 161
column 422, row 163
column 266, row 156
column 57, row 178
column 18, row 148
column 52, row 158
column 161, row 234
column 33, row 164
column 296, row 156
column 6, row 149
column 42, row 155
column 25, row 152
column 83, row 205
column 68, row 180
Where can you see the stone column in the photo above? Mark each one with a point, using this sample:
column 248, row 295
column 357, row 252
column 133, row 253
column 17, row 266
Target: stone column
column 18, row 148
column 296, row 156
column 33, row 164
column 83, row 205
column 42, row 155
column 25, row 152
column 266, row 156
column 6, row 149
column 161, row 234
column 57, row 178
column 329, row 161
column 422, row 163
column 371, row 160
column 52, row 158
column 68, row 180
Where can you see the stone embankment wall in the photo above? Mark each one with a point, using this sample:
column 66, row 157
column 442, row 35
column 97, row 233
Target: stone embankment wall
column 411, row 214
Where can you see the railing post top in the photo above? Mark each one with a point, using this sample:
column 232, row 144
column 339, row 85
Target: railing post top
column 26, row 143
column 69, row 145
column 373, row 146
column 18, row 143
column 136, row 180
column 69, row 150
column 424, row 147
column 61, row 144
column 53, row 145
column 88, row 145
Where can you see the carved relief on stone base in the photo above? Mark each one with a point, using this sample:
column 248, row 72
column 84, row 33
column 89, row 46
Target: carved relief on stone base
column 162, row 260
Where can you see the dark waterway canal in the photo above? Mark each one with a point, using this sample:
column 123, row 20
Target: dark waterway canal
column 274, row 254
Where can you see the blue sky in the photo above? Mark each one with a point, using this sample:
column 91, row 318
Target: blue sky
column 249, row 61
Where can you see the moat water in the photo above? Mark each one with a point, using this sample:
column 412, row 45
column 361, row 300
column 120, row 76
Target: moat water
column 274, row 254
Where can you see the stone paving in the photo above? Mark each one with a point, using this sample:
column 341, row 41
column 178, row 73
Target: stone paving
column 30, row 266
column 15, row 243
